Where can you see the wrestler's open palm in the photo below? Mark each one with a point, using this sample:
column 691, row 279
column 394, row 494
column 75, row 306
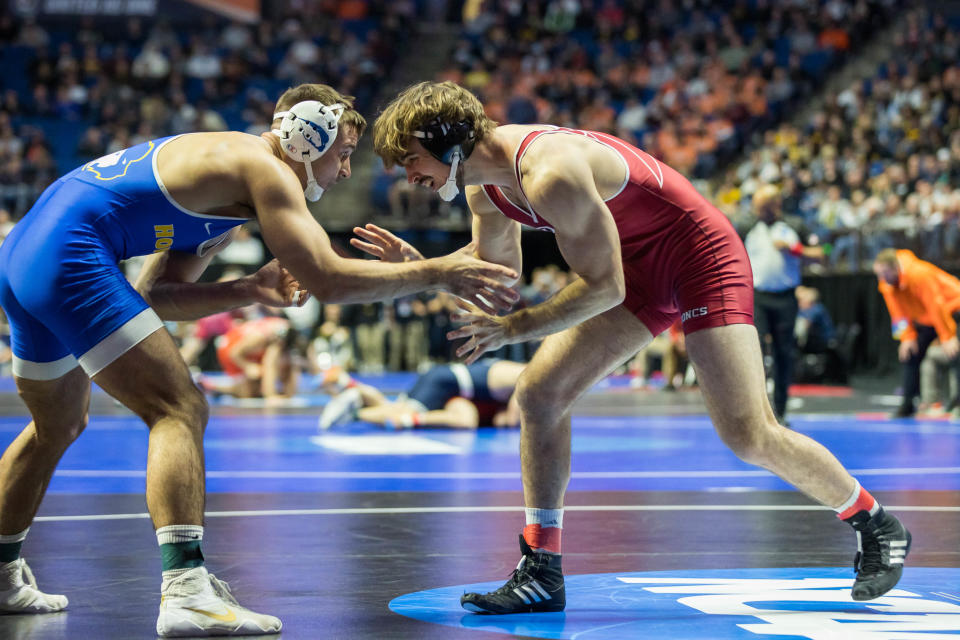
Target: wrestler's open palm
column 382, row 244
column 484, row 332
column 276, row 287
column 482, row 283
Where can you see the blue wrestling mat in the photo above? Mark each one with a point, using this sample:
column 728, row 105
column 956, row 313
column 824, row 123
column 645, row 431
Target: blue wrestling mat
column 809, row 603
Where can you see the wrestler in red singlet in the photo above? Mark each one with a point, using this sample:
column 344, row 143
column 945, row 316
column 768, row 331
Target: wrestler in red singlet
column 261, row 326
column 681, row 256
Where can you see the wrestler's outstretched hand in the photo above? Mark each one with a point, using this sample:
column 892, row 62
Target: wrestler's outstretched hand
column 274, row 286
column 485, row 332
column 484, row 284
column 382, row 244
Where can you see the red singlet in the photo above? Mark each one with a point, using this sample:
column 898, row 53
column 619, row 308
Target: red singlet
column 681, row 256
column 260, row 326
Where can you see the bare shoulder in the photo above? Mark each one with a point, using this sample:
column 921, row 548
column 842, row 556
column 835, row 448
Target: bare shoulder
column 551, row 158
column 571, row 159
column 478, row 201
column 227, row 150
column 224, row 172
column 555, row 173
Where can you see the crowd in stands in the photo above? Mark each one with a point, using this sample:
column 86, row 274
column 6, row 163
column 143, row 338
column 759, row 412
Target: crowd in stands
column 75, row 92
column 878, row 165
column 689, row 82
column 692, row 83
column 875, row 166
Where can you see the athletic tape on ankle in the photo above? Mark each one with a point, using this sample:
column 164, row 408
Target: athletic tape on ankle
column 543, row 538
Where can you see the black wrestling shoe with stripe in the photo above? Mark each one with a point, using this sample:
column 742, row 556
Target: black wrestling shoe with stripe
column 882, row 546
column 536, row 586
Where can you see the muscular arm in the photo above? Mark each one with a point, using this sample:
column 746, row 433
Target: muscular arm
column 565, row 194
column 497, row 237
column 168, row 282
column 303, row 246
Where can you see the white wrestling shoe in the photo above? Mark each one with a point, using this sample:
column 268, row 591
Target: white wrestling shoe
column 19, row 592
column 198, row 604
column 341, row 409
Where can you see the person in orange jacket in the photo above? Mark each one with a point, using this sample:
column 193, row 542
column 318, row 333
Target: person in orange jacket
column 924, row 304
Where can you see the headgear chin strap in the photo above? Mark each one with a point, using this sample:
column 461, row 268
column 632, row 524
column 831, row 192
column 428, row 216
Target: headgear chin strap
column 306, row 132
column 449, row 190
column 450, row 144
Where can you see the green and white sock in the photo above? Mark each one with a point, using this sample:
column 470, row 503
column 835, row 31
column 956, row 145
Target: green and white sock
column 10, row 545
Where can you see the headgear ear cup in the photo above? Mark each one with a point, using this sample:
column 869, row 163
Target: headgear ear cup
column 306, row 132
column 450, row 143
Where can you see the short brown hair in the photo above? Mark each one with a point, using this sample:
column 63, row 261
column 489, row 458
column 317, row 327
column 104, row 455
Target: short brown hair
column 326, row 95
column 887, row 257
column 419, row 104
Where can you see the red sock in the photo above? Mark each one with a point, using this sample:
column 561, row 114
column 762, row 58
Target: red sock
column 542, row 539
column 859, row 501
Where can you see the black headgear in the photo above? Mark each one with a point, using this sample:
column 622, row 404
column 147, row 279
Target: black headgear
column 443, row 139
column 450, row 143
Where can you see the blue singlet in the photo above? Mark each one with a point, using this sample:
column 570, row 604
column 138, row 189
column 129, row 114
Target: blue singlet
column 60, row 284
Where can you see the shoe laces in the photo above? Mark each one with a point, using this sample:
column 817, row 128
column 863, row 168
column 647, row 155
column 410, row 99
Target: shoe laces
column 520, row 575
column 222, row 589
column 27, row 574
column 869, row 559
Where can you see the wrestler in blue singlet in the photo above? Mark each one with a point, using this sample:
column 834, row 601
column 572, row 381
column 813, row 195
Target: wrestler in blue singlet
column 60, row 284
column 443, row 382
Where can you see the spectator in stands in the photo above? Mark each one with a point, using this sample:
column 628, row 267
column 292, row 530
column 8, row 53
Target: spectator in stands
column 924, row 304
column 407, row 333
column 814, row 331
column 890, row 137
column 332, row 344
column 713, row 72
column 179, row 77
column 370, row 332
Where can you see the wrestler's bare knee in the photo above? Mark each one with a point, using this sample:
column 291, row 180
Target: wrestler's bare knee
column 752, row 439
column 63, row 435
column 544, row 401
column 189, row 407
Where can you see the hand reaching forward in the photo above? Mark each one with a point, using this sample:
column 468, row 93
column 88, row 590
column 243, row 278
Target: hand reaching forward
column 382, row 244
column 274, row 286
column 485, row 332
column 482, row 283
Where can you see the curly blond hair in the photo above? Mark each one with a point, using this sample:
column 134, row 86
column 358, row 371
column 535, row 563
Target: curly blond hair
column 323, row 94
column 419, row 104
